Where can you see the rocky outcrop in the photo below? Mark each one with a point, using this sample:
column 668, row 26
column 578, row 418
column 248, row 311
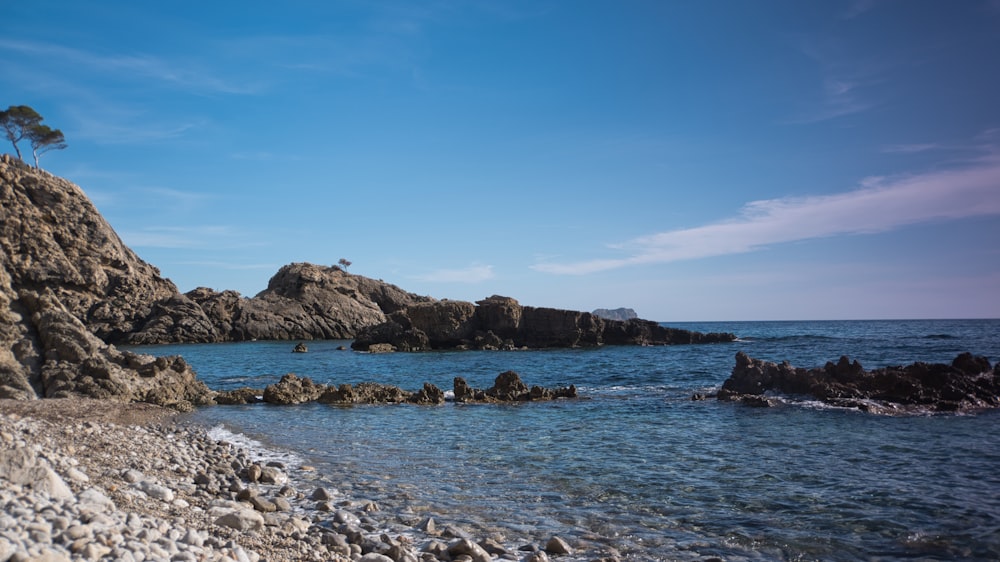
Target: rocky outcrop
column 508, row 387
column 302, row 301
column 52, row 237
column 968, row 383
column 621, row 314
column 502, row 323
column 292, row 389
column 66, row 283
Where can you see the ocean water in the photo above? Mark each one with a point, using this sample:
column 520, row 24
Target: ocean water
column 634, row 463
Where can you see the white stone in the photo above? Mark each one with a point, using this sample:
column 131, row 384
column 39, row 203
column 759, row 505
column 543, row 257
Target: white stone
column 242, row 520
column 156, row 491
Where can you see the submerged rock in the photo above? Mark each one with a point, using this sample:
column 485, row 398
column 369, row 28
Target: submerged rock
column 968, row 383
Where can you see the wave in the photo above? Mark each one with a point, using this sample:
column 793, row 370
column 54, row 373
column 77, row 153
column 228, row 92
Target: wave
column 258, row 451
column 940, row 337
column 789, row 338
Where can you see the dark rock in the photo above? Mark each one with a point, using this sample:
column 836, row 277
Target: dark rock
column 300, row 348
column 364, row 393
column 508, row 387
column 243, row 395
column 293, row 390
column 501, row 323
column 429, row 394
column 967, row 383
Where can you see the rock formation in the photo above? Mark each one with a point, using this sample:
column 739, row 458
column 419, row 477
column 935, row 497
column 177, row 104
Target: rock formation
column 66, row 280
column 502, row 323
column 967, row 383
column 508, row 387
column 622, row 314
column 292, row 389
column 302, row 301
column 53, row 237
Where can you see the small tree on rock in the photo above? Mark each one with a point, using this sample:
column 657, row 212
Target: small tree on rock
column 344, row 263
column 17, row 122
column 43, row 139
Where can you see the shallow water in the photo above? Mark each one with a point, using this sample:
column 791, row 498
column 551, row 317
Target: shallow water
column 634, row 463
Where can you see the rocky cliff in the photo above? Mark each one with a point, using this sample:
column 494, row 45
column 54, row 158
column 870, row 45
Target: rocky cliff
column 502, row 323
column 66, row 281
column 53, row 238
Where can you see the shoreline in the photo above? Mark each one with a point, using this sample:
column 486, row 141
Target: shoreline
column 85, row 479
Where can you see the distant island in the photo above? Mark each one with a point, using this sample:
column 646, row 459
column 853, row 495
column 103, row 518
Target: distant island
column 620, row 314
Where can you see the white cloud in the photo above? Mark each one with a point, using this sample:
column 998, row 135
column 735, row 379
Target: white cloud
column 175, row 236
column 186, row 75
column 911, row 148
column 472, row 274
column 880, row 205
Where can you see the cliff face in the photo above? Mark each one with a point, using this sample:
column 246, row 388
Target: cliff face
column 65, row 280
column 52, row 237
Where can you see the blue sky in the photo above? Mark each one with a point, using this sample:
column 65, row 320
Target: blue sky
column 692, row 160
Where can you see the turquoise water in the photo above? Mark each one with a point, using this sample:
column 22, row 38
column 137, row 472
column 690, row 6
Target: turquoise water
column 634, row 463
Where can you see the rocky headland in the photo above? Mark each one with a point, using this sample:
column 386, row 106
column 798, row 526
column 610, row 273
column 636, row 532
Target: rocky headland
column 502, row 323
column 968, row 383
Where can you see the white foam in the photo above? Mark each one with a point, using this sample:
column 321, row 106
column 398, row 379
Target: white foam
column 258, row 451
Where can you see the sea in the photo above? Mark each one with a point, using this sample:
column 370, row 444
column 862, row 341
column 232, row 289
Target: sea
column 634, row 463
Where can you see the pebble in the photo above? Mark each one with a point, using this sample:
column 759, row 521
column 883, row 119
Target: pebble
column 139, row 494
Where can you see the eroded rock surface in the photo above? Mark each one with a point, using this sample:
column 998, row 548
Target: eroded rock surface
column 502, row 323
column 968, row 383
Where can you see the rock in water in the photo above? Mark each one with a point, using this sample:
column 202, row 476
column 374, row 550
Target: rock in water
column 502, row 323
column 967, row 383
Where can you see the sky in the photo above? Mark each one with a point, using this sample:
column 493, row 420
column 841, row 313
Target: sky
column 694, row 161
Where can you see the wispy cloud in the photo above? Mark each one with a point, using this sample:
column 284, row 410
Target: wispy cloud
column 184, row 75
column 472, row 274
column 232, row 265
column 879, row 205
column 912, row 148
column 857, row 8
column 840, row 97
column 177, row 237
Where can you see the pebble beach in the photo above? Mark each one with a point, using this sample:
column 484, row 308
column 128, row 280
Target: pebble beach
column 93, row 480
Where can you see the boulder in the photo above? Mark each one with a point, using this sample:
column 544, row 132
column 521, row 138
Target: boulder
column 22, row 467
column 508, row 387
column 293, row 390
column 364, row 393
column 967, row 383
column 244, row 395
